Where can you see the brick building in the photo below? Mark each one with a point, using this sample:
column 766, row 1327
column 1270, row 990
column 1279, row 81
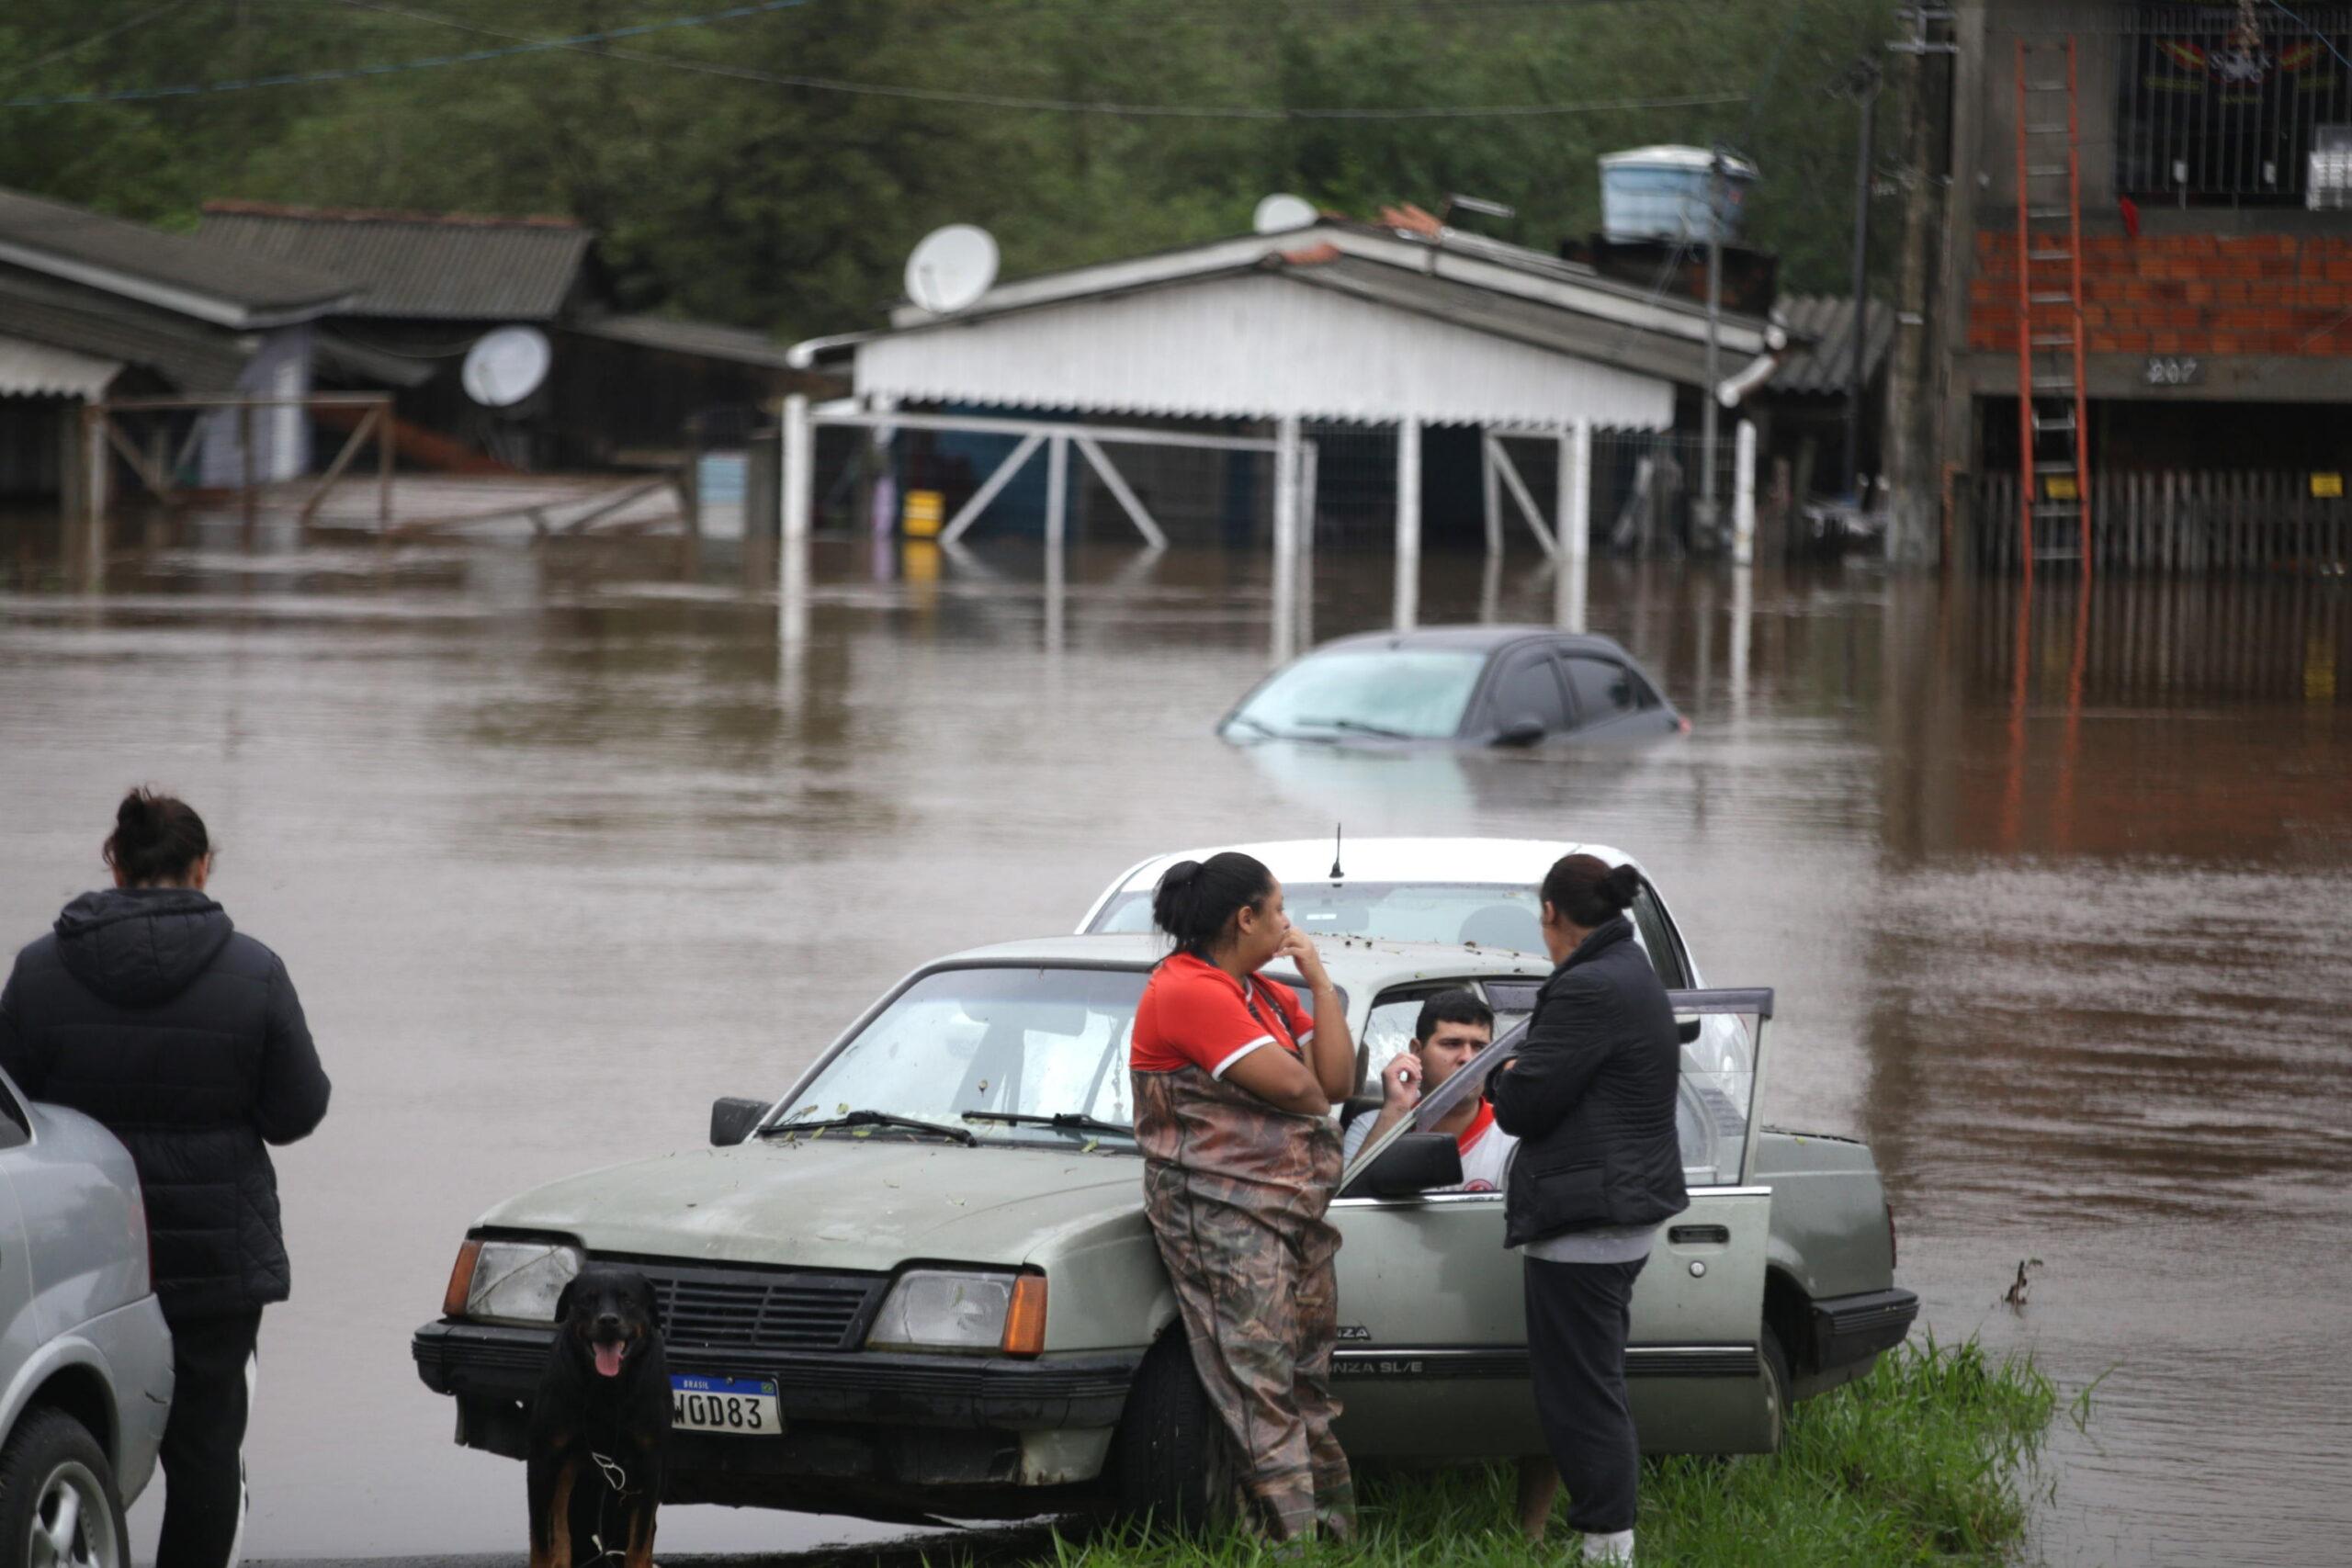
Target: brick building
column 2216, row 259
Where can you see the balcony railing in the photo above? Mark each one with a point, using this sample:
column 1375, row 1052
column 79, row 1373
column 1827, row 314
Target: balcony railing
column 2210, row 112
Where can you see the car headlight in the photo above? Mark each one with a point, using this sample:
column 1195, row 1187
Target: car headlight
column 943, row 1309
column 510, row 1281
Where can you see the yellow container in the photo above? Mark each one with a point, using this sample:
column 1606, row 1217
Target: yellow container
column 925, row 511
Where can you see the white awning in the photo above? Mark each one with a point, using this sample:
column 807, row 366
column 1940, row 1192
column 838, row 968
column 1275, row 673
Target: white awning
column 37, row 370
column 1255, row 347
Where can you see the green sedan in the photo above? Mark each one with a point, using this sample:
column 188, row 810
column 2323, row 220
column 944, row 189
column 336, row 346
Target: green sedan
column 919, row 1285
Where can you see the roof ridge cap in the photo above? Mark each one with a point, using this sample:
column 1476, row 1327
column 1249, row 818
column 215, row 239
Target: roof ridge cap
column 238, row 206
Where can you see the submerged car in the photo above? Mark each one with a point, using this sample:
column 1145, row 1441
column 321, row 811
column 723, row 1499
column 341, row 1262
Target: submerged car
column 85, row 1360
column 919, row 1285
column 1458, row 686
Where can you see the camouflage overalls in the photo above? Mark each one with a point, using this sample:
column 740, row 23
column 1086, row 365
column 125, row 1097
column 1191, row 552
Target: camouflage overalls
column 1236, row 1193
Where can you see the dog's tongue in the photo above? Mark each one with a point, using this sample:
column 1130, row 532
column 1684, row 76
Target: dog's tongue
column 608, row 1360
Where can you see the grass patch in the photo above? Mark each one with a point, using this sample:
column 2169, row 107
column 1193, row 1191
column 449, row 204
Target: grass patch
column 1925, row 1461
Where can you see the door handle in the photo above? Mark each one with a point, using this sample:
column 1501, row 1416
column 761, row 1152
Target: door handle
column 1700, row 1236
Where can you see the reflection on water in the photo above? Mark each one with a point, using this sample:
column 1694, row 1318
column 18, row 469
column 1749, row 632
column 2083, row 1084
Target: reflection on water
column 563, row 839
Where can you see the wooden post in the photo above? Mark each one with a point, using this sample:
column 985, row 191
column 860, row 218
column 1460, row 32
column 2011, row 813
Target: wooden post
column 1743, row 512
column 384, row 463
column 94, row 458
column 1492, row 485
column 1058, row 492
column 800, row 463
column 1408, row 523
column 245, row 464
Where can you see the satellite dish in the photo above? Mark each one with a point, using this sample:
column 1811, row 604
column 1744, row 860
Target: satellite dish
column 1283, row 210
column 951, row 268
column 506, row 365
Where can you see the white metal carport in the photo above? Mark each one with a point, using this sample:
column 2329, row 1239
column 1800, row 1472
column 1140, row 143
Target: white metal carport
column 1334, row 322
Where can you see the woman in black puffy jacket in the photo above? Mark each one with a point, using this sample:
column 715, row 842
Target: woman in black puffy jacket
column 1590, row 1097
column 146, row 1009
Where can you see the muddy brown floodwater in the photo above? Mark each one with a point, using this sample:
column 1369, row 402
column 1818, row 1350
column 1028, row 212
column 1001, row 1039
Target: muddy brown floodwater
column 560, row 842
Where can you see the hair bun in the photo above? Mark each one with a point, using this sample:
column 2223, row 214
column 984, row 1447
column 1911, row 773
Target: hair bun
column 1183, row 874
column 1621, row 885
column 132, row 812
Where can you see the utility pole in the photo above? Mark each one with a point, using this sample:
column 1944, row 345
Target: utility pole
column 1717, row 183
column 1913, row 451
column 1862, row 84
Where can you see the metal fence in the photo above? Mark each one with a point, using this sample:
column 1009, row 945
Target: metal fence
column 2213, row 111
column 2177, row 524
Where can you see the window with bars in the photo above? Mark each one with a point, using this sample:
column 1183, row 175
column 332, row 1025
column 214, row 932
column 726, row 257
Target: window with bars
column 2225, row 104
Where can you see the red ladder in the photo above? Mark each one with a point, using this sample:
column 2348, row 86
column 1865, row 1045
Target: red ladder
column 2053, row 407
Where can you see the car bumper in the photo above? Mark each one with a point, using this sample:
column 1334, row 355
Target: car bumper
column 886, row 1435
column 136, row 1345
column 1854, row 1330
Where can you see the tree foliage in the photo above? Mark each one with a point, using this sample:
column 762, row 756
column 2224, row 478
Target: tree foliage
column 723, row 192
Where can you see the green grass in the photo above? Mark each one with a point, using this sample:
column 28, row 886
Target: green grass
column 1926, row 1462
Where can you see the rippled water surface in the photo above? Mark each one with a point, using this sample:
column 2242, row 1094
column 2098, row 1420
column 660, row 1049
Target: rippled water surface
column 560, row 842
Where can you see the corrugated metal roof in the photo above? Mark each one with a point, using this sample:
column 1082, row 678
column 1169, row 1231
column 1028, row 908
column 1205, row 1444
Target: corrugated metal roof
column 1821, row 335
column 1521, row 321
column 708, row 339
column 192, row 356
column 184, row 273
column 416, row 264
column 40, row 370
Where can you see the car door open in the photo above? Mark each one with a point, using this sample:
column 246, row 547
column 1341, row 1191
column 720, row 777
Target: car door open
column 1432, row 1353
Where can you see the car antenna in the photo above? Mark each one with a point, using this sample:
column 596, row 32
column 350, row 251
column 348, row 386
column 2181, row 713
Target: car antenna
column 1339, row 830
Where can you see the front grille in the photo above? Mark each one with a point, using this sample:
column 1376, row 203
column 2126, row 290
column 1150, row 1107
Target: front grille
column 744, row 1309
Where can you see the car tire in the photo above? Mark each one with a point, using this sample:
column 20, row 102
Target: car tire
column 1777, row 1382
column 1173, row 1462
column 58, row 1493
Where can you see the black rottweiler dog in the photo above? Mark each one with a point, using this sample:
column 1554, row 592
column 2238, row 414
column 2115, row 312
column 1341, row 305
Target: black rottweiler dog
column 600, row 1425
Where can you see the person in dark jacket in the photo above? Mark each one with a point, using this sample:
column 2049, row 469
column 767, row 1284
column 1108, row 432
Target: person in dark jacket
column 147, row 1010
column 1590, row 1097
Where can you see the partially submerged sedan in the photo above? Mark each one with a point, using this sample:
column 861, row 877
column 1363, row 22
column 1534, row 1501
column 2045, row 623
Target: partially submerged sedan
column 1458, row 686
column 920, row 1284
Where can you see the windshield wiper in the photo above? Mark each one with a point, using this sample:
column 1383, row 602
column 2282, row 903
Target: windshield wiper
column 1358, row 727
column 871, row 1119
column 1061, row 1120
column 1260, row 726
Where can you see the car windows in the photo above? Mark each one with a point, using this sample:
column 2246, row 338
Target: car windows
column 1604, row 688
column 1491, row 915
column 1530, row 688
column 1414, row 694
column 1032, row 1042
column 1658, row 939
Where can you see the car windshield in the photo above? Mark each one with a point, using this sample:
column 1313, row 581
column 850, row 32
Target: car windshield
column 1493, row 915
column 987, row 1050
column 1416, row 695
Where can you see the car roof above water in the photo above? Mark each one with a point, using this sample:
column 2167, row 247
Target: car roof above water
column 1470, row 638
column 1357, row 963
column 1503, row 861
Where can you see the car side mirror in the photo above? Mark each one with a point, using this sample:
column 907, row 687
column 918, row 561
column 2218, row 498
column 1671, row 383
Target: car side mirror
column 1412, row 1165
column 1526, row 730
column 1688, row 1030
column 732, row 1119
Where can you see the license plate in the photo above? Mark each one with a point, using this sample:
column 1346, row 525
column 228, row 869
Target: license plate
column 748, row 1407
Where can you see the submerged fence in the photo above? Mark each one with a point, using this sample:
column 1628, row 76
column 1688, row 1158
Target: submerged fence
column 2179, row 524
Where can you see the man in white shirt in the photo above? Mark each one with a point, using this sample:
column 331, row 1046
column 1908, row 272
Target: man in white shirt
column 1455, row 1026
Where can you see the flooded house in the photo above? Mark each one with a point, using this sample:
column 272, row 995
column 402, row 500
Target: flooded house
column 2145, row 321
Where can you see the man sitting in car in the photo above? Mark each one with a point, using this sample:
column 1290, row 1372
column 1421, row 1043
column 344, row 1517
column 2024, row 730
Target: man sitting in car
column 1455, row 1026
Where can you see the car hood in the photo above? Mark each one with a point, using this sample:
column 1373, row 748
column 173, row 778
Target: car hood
column 839, row 1202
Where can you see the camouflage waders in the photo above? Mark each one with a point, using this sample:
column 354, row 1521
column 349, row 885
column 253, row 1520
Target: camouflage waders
column 1236, row 1193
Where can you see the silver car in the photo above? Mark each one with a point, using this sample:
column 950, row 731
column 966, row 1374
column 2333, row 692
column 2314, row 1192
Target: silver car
column 85, row 1361
column 920, row 1284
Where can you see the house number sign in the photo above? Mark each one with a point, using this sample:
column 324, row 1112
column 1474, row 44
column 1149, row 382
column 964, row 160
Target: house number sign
column 2172, row 370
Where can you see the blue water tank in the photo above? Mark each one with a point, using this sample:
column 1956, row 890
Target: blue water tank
column 1661, row 193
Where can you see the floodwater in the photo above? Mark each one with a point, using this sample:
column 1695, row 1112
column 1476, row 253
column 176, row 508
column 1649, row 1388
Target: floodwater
column 561, row 841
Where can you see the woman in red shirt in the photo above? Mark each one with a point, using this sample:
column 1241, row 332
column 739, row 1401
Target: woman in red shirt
column 1234, row 1087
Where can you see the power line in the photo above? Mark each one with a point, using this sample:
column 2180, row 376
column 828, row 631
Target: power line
column 78, row 45
column 1074, row 106
column 582, row 43
column 387, row 68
